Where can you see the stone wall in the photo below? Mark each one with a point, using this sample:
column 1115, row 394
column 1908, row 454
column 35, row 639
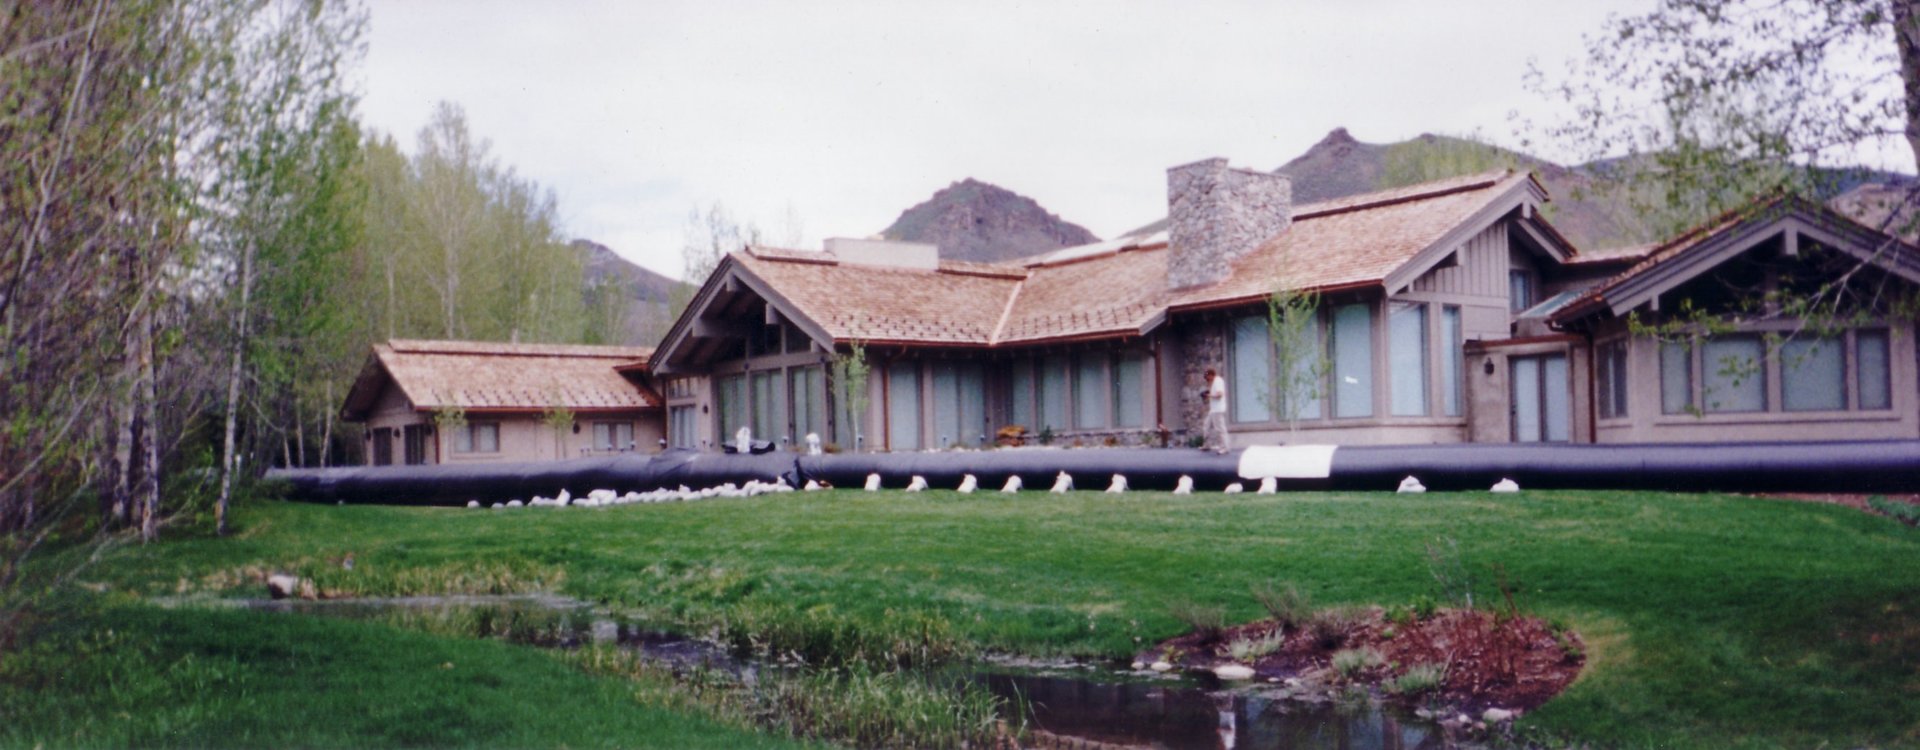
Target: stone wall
column 1216, row 214
column 1203, row 344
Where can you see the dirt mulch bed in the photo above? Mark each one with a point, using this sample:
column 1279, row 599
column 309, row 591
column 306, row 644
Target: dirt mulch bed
column 1852, row 500
column 1513, row 663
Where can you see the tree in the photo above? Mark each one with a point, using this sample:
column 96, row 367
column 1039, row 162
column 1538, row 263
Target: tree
column 850, row 375
column 1705, row 104
column 1298, row 366
column 707, row 237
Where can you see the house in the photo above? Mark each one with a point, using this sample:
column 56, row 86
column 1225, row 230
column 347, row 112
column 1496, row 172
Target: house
column 435, row 402
column 1448, row 312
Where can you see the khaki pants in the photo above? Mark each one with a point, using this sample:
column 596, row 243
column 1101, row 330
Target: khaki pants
column 1216, row 432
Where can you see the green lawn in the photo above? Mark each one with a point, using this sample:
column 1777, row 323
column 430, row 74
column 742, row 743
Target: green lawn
column 1710, row 620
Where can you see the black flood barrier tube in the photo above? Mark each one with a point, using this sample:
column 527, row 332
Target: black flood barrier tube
column 1853, row 466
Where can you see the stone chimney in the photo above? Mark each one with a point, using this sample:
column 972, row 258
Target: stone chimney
column 1216, row 214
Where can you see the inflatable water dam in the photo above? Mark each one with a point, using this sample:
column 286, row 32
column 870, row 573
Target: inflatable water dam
column 1852, row 467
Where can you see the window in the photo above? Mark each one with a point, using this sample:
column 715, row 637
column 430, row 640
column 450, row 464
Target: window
column 613, row 436
column 1020, row 385
column 1873, row 376
column 1676, row 377
column 1813, row 374
column 1055, row 403
column 1733, row 373
column 809, row 403
column 1610, row 381
column 903, row 406
column 1353, row 360
column 1542, row 401
column 850, row 426
column 770, row 405
column 1129, row 380
column 1407, row 358
column 731, row 394
column 414, row 437
column 1452, row 360
column 1519, row 289
column 383, row 447
column 959, row 405
column 680, row 426
column 477, row 437
column 1251, row 377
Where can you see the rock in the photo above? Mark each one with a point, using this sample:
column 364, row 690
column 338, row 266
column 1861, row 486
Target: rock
column 873, row 482
column 1013, row 484
column 1269, row 486
column 813, row 444
column 812, row 486
column 919, row 483
column 1139, row 665
column 1496, row 715
column 282, row 585
column 1234, row 489
column 1118, row 486
column 1273, row 679
column 1062, row 484
column 968, row 484
column 1185, row 486
column 1293, row 682
column 1160, row 666
column 1233, row 672
column 473, row 503
column 1411, row 485
column 563, row 499
column 516, row 504
column 1506, row 485
column 497, row 506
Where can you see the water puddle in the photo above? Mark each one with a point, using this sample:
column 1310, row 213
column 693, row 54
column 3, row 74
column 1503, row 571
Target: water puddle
column 1067, row 706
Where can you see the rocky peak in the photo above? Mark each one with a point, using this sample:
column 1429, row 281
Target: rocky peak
column 978, row 221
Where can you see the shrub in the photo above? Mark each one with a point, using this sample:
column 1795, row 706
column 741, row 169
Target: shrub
column 1249, row 649
column 1419, row 679
column 1329, row 627
column 1903, row 512
column 1349, row 662
column 1207, row 622
column 1424, row 607
column 1284, row 603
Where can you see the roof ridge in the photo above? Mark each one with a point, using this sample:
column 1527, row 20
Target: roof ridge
column 1006, row 312
column 1361, row 201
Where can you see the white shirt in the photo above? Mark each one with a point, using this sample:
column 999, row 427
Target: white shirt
column 1217, row 396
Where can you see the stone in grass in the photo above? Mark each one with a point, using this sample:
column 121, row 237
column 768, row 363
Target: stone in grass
column 473, row 503
column 919, row 483
column 1161, row 666
column 1506, row 485
column 1185, row 486
column 515, row 504
column 1233, row 672
column 1234, row 489
column 282, row 585
column 1139, row 665
column 1013, row 484
column 968, row 484
column 1269, row 486
column 1411, row 485
column 1496, row 715
column 873, row 482
column 1062, row 484
column 1118, row 486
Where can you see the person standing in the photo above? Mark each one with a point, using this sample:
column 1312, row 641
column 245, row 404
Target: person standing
column 1216, row 425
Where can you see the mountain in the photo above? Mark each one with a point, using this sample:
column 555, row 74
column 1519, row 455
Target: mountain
column 977, row 221
column 647, row 292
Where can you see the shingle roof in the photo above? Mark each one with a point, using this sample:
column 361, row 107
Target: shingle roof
column 488, row 376
column 1118, row 287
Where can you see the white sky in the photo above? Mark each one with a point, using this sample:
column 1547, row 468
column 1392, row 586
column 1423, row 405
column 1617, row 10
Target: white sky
column 847, row 113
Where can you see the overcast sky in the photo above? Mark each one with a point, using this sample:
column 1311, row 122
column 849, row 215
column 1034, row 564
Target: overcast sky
column 844, row 113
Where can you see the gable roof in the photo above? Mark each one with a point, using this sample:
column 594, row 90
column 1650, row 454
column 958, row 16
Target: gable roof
column 1118, row 288
column 1697, row 250
column 481, row 376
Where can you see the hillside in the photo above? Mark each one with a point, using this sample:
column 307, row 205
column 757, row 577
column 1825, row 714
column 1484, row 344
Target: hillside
column 977, row 221
column 647, row 292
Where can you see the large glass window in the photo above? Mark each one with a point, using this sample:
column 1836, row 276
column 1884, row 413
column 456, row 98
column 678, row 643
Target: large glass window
column 1020, row 395
column 849, row 425
column 1813, row 375
column 809, row 403
column 903, row 407
column 1542, row 400
column 1452, row 360
column 1610, row 378
column 383, row 446
column 1251, row 379
column 1733, row 371
column 1353, row 360
column 613, row 436
column 1519, row 289
column 1129, row 380
column 1872, row 359
column 1090, row 392
column 415, row 438
column 1676, row 377
column 769, row 405
column 680, row 424
column 959, row 405
column 1056, row 405
column 1407, row 358
column 477, row 437
column 731, row 392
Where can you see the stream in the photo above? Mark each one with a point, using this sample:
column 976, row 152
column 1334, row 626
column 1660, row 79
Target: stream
column 1070, row 705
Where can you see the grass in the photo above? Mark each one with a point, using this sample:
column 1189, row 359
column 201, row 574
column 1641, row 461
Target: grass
column 130, row 675
column 1709, row 621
